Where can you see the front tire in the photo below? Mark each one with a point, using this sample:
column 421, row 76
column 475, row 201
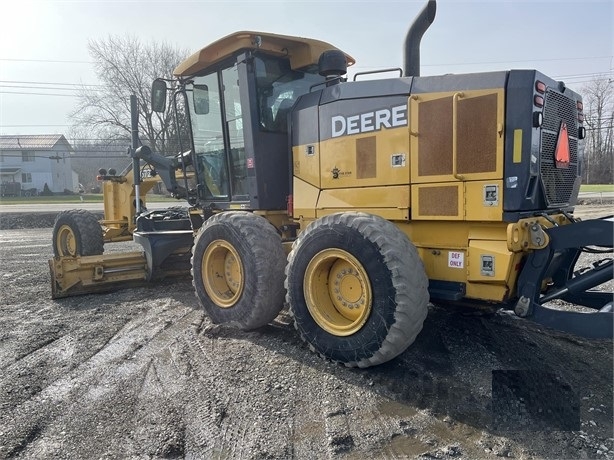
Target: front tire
column 77, row 233
column 238, row 269
column 357, row 289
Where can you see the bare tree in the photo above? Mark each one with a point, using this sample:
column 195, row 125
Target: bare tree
column 598, row 98
column 126, row 66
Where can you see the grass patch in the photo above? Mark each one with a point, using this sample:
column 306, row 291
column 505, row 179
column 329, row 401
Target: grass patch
column 597, row 188
column 87, row 198
column 49, row 199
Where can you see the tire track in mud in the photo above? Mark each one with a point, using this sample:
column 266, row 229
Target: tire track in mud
column 240, row 409
column 214, row 427
column 66, row 350
column 37, row 346
column 320, row 416
column 336, row 420
column 139, row 374
column 109, row 371
column 158, row 428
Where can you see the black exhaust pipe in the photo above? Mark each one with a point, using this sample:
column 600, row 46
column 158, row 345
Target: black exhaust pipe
column 411, row 66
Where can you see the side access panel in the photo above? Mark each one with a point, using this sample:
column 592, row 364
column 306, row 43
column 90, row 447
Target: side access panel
column 457, row 155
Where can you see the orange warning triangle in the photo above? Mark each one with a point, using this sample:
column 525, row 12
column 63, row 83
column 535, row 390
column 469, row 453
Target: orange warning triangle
column 561, row 154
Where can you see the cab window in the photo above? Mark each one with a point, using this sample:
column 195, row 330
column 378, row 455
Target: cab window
column 278, row 89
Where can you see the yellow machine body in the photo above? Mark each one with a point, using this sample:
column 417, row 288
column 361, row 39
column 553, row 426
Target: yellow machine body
column 119, row 198
column 439, row 178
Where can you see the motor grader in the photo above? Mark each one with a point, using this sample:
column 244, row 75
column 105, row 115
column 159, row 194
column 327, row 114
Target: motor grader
column 355, row 203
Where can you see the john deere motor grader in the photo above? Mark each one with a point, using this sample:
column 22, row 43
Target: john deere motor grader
column 354, row 202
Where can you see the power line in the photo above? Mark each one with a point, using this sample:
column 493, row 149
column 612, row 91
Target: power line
column 449, row 64
column 583, row 58
column 38, row 94
column 591, row 77
column 33, row 126
column 79, row 85
column 47, row 83
column 72, row 156
column 590, row 74
column 579, row 82
column 59, row 61
column 523, row 60
column 38, row 87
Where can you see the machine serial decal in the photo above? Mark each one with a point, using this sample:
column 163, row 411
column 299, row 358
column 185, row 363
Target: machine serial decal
column 491, row 195
column 397, row 160
column 488, row 265
column 369, row 121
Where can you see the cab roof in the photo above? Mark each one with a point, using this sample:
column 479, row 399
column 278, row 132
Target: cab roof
column 302, row 52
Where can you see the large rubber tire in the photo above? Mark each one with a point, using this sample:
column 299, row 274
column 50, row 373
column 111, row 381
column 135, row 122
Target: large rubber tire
column 77, row 233
column 357, row 289
column 238, row 269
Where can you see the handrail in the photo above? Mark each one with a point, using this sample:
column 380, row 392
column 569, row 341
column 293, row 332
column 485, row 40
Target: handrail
column 369, row 72
column 455, row 99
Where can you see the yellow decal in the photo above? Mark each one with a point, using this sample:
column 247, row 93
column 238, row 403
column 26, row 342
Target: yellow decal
column 517, row 158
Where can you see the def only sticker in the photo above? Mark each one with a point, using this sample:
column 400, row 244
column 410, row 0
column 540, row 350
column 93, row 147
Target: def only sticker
column 456, row 259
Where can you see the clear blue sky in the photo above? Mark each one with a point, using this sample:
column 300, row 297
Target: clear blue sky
column 569, row 40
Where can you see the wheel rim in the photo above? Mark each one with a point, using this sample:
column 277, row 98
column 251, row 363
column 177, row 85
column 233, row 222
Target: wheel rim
column 66, row 241
column 222, row 273
column 337, row 292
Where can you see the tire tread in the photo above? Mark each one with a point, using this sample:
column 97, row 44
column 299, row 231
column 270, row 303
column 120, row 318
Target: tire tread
column 408, row 278
column 86, row 228
column 269, row 259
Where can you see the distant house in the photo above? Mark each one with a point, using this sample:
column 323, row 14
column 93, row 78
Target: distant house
column 28, row 162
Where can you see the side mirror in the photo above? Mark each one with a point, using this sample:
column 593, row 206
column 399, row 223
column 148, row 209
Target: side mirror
column 158, row 95
column 200, row 96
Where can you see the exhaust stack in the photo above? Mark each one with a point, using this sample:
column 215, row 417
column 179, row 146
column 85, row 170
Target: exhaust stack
column 411, row 66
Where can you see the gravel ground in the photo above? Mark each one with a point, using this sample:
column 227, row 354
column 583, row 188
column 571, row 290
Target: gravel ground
column 142, row 373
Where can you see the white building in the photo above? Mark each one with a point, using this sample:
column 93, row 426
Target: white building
column 35, row 160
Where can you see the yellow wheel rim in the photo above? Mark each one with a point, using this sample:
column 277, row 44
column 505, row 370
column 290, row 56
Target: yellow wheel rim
column 338, row 292
column 222, row 273
column 66, row 241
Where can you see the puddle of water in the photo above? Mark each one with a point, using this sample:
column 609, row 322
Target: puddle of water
column 402, row 445
column 396, row 409
column 410, row 446
column 454, row 433
column 406, row 447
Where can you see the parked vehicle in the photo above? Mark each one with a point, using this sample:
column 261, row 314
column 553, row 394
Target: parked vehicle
column 354, row 202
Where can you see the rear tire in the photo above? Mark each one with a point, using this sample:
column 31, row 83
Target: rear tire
column 77, row 233
column 238, row 269
column 357, row 289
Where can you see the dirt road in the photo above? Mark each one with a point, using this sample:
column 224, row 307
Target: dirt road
column 142, row 373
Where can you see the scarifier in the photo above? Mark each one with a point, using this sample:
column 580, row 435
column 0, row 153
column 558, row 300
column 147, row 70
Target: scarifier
column 353, row 202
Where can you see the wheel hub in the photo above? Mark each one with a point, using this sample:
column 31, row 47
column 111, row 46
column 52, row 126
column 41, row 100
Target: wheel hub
column 338, row 292
column 222, row 273
column 66, row 241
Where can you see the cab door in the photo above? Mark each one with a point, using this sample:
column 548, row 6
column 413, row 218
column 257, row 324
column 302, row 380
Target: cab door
column 218, row 139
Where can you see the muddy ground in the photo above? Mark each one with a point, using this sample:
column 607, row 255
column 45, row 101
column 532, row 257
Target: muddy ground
column 142, row 373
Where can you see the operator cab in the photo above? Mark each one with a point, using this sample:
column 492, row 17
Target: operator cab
column 239, row 92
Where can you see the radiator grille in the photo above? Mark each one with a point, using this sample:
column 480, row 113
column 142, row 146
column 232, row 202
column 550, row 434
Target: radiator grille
column 558, row 183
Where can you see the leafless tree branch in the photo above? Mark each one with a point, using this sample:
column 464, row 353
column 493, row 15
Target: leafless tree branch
column 125, row 66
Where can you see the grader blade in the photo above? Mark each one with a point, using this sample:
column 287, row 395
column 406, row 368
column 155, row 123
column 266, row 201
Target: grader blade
column 555, row 264
column 91, row 274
